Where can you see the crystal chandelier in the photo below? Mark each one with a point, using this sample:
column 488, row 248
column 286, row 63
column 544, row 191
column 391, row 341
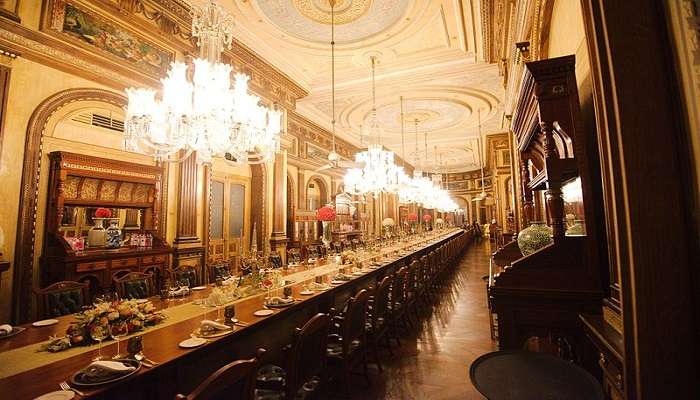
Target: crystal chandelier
column 200, row 110
column 379, row 173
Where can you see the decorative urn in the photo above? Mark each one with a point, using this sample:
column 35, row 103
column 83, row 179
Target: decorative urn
column 534, row 237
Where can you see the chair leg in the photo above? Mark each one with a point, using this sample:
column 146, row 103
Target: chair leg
column 365, row 369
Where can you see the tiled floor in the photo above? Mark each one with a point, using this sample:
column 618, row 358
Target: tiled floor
column 434, row 359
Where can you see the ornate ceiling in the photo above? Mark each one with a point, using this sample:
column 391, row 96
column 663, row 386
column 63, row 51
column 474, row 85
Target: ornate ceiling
column 431, row 52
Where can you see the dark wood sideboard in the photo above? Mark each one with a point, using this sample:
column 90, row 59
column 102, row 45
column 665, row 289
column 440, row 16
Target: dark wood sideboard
column 79, row 184
column 541, row 294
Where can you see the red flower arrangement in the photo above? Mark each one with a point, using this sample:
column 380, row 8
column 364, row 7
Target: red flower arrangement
column 427, row 218
column 412, row 217
column 103, row 213
column 325, row 213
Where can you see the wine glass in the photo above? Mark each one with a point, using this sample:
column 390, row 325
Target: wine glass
column 99, row 333
column 267, row 284
column 118, row 329
column 173, row 286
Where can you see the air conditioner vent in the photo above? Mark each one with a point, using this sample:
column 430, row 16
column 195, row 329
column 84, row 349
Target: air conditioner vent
column 100, row 121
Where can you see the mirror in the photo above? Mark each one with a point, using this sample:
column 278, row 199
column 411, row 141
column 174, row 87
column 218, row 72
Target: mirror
column 77, row 220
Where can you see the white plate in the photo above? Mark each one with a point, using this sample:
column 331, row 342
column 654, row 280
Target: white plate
column 46, row 322
column 192, row 342
column 263, row 313
column 359, row 273
column 141, row 301
column 306, row 293
column 337, row 282
column 199, row 288
column 57, row 395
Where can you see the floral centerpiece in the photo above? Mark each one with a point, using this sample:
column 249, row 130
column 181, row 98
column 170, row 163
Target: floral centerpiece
column 412, row 217
column 103, row 213
column 326, row 215
column 136, row 315
column 388, row 224
column 427, row 218
column 349, row 257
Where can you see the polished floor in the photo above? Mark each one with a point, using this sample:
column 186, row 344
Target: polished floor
column 434, row 359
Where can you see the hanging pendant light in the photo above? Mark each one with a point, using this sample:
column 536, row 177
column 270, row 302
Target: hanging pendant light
column 379, row 173
column 200, row 110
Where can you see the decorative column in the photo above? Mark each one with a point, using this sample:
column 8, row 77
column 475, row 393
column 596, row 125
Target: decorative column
column 528, row 205
column 555, row 199
column 188, row 246
column 279, row 238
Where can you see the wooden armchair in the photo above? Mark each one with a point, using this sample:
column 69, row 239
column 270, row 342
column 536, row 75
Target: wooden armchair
column 61, row 298
column 135, row 285
column 347, row 346
column 235, row 380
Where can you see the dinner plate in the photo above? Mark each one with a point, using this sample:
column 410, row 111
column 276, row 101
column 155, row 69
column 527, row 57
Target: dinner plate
column 141, row 301
column 79, row 380
column 212, row 334
column 306, row 292
column 192, row 342
column 57, row 395
column 15, row 331
column 334, row 282
column 280, row 305
column 358, row 273
column 263, row 313
column 45, row 322
column 199, row 288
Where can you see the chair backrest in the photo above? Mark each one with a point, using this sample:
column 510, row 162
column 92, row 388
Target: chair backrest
column 308, row 353
column 411, row 276
column 235, row 381
column 380, row 308
column 293, row 255
column 337, row 247
column 353, row 327
column 219, row 270
column 398, row 287
column 61, row 298
column 135, row 285
column 186, row 273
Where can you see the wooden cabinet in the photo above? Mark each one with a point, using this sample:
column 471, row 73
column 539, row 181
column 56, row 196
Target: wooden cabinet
column 608, row 342
column 80, row 184
column 541, row 294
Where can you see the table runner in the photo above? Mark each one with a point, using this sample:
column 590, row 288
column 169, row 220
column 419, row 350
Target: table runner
column 29, row 357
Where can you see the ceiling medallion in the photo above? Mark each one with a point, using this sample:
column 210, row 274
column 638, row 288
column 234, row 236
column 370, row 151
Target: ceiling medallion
column 346, row 11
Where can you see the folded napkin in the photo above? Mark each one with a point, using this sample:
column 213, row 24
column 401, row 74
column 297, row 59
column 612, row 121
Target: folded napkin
column 101, row 369
column 279, row 300
column 5, row 329
column 213, row 325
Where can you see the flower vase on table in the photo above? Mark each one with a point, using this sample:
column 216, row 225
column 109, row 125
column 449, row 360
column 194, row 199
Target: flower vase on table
column 326, row 215
column 96, row 234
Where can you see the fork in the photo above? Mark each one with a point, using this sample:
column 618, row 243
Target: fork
column 65, row 386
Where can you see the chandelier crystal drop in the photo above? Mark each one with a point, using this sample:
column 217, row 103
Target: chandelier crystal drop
column 200, row 109
column 379, row 173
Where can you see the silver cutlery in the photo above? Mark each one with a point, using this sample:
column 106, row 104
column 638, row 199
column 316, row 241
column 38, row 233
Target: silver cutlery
column 65, row 386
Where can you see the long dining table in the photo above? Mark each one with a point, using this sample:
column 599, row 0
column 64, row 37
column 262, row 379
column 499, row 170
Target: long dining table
column 26, row 373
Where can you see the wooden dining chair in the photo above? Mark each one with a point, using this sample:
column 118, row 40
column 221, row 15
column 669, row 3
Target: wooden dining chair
column 135, row 285
column 219, row 270
column 398, row 304
column 232, row 381
column 187, row 273
column 347, row 346
column 379, row 323
column 306, row 367
column 61, row 298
